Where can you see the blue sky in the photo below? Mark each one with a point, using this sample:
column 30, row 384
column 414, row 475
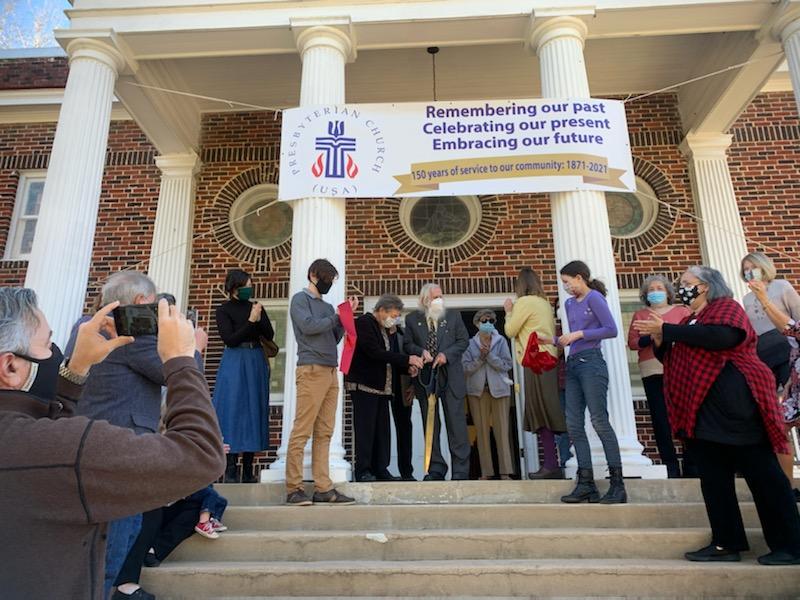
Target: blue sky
column 29, row 23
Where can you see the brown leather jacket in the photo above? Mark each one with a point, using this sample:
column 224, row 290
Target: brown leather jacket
column 62, row 479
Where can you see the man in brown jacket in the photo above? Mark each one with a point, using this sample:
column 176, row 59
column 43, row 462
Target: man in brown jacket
column 62, row 479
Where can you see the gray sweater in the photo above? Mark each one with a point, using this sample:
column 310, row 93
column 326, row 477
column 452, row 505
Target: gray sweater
column 317, row 330
column 782, row 295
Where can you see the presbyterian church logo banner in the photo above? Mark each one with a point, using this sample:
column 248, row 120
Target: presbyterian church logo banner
column 454, row 148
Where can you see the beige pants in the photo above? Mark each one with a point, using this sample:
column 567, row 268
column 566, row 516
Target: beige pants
column 317, row 392
column 490, row 412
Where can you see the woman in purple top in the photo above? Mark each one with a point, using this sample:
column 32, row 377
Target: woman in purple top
column 590, row 322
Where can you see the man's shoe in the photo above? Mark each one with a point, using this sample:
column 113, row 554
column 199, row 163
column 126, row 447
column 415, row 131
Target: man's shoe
column 433, row 477
column 712, row 553
column 333, row 496
column 548, row 474
column 298, row 498
column 387, row 477
column 408, row 478
column 366, row 478
column 779, row 558
column 139, row 594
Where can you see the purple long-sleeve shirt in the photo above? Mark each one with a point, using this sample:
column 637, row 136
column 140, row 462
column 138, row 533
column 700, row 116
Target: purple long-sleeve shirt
column 592, row 316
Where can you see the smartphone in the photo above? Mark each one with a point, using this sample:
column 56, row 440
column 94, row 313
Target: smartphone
column 136, row 319
column 191, row 314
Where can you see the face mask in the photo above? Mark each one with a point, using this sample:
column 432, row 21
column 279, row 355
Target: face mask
column 436, row 308
column 486, row 328
column 687, row 294
column 245, row 293
column 389, row 322
column 43, row 379
column 656, row 298
column 753, row 274
column 323, row 287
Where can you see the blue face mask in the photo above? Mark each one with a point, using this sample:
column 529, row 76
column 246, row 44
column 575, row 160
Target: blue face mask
column 656, row 298
column 486, row 327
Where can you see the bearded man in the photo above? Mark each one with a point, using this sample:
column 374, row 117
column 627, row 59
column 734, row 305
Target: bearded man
column 439, row 336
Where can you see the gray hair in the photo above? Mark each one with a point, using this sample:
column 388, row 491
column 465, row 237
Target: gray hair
column 389, row 302
column 652, row 279
column 123, row 287
column 484, row 312
column 763, row 262
column 18, row 319
column 425, row 292
column 717, row 288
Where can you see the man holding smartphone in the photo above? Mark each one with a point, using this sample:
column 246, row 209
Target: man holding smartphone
column 64, row 477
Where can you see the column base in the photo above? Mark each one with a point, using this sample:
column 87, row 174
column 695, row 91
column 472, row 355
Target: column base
column 340, row 471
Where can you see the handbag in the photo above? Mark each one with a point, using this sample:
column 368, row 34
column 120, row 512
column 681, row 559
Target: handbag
column 536, row 360
column 269, row 348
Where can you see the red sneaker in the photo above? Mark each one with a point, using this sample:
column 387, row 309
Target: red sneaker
column 218, row 526
column 206, row 530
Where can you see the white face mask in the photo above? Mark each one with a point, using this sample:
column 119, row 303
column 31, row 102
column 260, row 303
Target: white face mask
column 436, row 308
column 389, row 322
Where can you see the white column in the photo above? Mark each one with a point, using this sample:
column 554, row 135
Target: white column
column 59, row 265
column 171, row 250
column 787, row 30
column 318, row 231
column 581, row 232
column 722, row 242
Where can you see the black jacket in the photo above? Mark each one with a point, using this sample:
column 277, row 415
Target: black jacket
column 371, row 356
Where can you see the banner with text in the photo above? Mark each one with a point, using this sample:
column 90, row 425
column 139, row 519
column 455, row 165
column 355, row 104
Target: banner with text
column 454, row 148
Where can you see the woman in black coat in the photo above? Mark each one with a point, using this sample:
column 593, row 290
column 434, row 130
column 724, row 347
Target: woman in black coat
column 370, row 384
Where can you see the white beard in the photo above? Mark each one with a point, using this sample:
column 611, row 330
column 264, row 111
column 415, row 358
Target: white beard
column 434, row 312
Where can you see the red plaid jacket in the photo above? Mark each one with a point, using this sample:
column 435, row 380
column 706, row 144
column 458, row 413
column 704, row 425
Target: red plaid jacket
column 689, row 373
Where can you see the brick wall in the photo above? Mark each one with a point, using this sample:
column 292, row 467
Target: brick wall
column 29, row 73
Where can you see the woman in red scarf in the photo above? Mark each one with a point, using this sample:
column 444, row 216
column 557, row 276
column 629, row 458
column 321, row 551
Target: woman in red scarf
column 721, row 399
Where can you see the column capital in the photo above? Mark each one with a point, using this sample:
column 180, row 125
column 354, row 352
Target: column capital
column 100, row 45
column 786, row 21
column 707, row 146
column 334, row 32
column 542, row 30
column 179, row 165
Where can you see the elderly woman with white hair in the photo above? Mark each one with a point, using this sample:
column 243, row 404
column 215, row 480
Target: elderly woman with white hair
column 487, row 362
column 721, row 399
column 657, row 295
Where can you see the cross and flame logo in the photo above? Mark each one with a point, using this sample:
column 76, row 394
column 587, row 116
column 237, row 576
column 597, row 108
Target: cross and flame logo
column 334, row 159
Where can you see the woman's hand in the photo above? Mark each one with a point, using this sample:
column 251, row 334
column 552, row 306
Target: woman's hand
column 759, row 288
column 255, row 312
column 654, row 326
column 508, row 305
column 569, row 338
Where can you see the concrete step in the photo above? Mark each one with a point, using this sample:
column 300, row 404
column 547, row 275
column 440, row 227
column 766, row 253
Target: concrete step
column 367, row 517
column 483, row 578
column 458, row 544
column 475, row 492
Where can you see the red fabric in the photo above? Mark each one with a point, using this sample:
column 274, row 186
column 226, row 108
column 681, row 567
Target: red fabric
column 689, row 373
column 349, row 324
column 537, row 360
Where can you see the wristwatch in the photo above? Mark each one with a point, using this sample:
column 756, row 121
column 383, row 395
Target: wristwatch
column 65, row 372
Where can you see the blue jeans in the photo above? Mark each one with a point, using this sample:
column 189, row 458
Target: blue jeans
column 587, row 387
column 562, row 439
column 121, row 536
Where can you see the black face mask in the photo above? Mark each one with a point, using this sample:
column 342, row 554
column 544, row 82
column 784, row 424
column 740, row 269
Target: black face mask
column 323, row 287
column 43, row 379
column 687, row 294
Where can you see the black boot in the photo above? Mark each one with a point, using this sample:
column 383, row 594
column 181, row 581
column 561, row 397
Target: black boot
column 585, row 490
column 616, row 492
column 231, row 471
column 247, row 468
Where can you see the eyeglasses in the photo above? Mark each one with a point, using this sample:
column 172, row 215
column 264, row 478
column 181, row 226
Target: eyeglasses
column 492, row 321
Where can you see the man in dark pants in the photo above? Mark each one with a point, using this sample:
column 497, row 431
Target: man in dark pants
column 440, row 337
column 402, row 397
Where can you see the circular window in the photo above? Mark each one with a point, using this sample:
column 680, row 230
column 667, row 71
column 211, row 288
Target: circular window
column 632, row 213
column 258, row 220
column 440, row 222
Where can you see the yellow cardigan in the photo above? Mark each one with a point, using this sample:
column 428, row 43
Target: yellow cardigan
column 530, row 313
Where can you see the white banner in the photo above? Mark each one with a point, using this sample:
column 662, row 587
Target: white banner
column 454, row 148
